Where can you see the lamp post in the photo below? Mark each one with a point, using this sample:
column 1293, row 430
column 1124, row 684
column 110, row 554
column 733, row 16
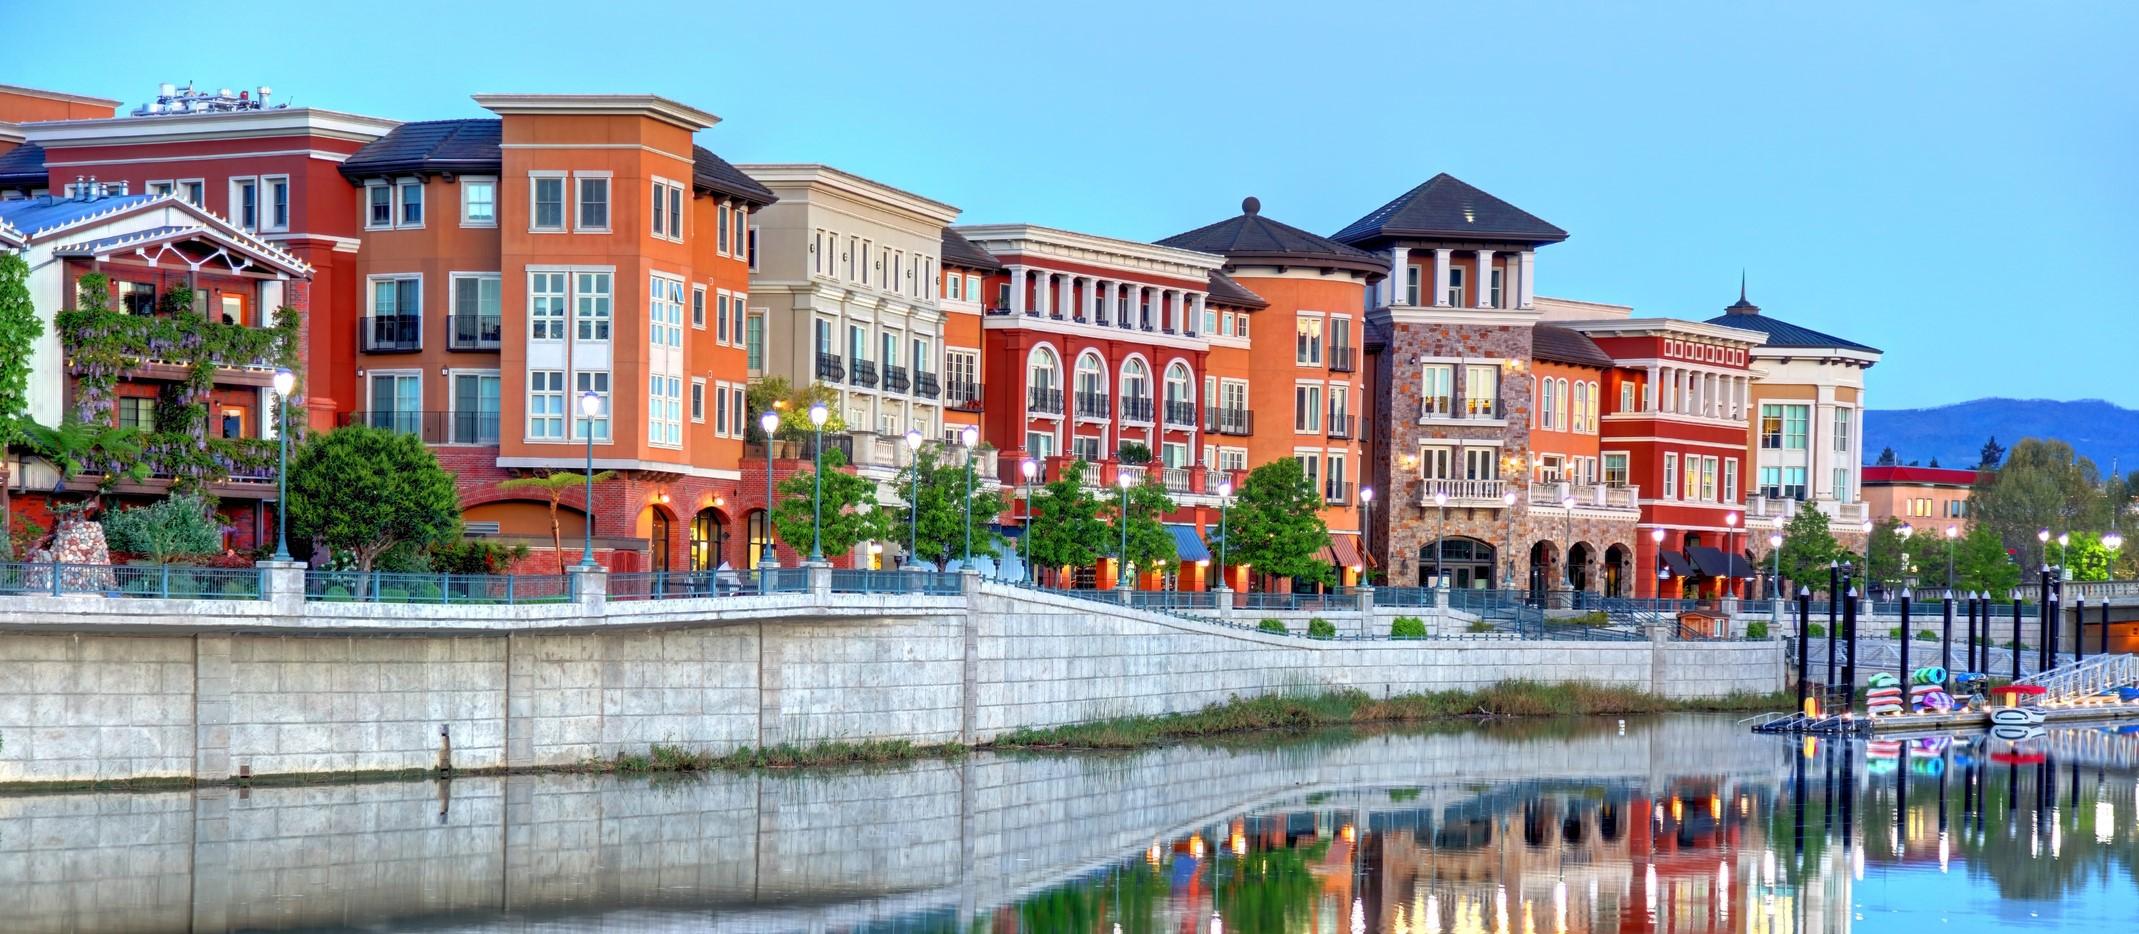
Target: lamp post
column 1121, row 518
column 1366, row 522
column 284, row 382
column 818, row 415
column 1567, row 535
column 590, row 405
column 1730, row 531
column 1225, row 494
column 2043, row 536
column 1906, row 531
column 1440, row 538
column 1775, row 559
column 913, row 516
column 2063, row 539
column 1656, row 538
column 768, row 422
column 1507, row 502
column 967, row 437
column 1030, row 468
column 1953, row 541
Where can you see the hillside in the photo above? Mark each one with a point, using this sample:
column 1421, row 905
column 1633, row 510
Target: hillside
column 1955, row 433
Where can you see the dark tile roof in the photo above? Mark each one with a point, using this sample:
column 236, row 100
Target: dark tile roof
column 23, row 166
column 959, row 251
column 462, row 147
column 1225, row 291
column 1251, row 237
column 31, row 215
column 468, row 147
column 1564, row 345
column 1746, row 315
column 1446, row 207
column 713, row 173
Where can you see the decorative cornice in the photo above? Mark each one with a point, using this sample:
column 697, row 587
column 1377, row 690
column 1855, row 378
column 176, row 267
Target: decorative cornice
column 1665, row 327
column 173, row 128
column 1034, row 240
column 812, row 175
column 643, row 105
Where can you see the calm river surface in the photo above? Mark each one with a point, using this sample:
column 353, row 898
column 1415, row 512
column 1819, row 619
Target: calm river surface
column 1680, row 824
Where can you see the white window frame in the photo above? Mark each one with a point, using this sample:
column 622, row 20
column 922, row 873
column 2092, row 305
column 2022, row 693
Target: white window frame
column 565, row 200
column 563, row 416
column 1319, row 325
column 660, row 211
column 608, row 180
column 423, row 207
column 563, row 321
column 1313, row 412
column 1671, row 475
column 606, row 420
column 738, row 230
column 266, row 197
column 723, row 306
column 698, row 306
column 697, row 401
column 253, row 181
column 736, row 335
column 466, row 183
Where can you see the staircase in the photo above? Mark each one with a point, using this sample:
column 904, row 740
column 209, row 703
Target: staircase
column 2086, row 678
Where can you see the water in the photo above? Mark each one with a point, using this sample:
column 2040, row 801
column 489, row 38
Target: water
column 1681, row 824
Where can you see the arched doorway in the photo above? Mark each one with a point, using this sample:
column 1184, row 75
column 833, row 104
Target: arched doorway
column 1618, row 560
column 1468, row 561
column 657, row 538
column 709, row 539
column 761, row 543
column 1544, row 570
column 1580, row 555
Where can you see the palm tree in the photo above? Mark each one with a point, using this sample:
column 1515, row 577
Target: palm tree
column 554, row 485
column 77, row 446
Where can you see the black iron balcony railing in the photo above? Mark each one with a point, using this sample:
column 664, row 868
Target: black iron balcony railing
column 432, row 427
column 1044, row 400
column 829, row 367
column 474, row 332
column 1342, row 359
column 964, row 397
column 1222, row 421
column 1339, row 424
column 1486, row 407
column 863, row 373
column 391, row 333
column 1093, row 405
column 926, row 385
column 895, row 379
column 1136, row 409
column 1180, row 413
column 1336, row 492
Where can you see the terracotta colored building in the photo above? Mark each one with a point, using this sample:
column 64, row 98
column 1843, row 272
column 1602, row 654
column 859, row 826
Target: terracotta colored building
column 1929, row 498
column 576, row 247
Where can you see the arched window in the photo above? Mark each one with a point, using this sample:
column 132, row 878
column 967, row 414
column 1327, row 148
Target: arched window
column 709, row 539
column 1136, row 390
column 1180, row 394
column 1045, row 370
column 1091, row 375
column 1559, row 399
column 1546, row 412
column 1581, row 407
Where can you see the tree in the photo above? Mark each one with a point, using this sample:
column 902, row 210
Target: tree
column 361, row 490
column 1150, row 543
column 76, row 447
column 182, row 524
column 1887, row 458
column 793, row 403
column 553, row 486
column 2088, row 558
column 1934, row 462
column 1981, row 564
column 1882, row 553
column 1068, row 531
column 19, row 330
column 1993, row 454
column 2043, row 485
column 943, row 513
column 1275, row 524
column 1808, row 548
column 851, row 515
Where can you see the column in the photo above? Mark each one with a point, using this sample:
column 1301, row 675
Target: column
column 1399, row 275
column 1068, row 308
column 1440, row 278
column 1017, row 290
column 1685, row 392
column 1196, row 309
column 1484, row 288
column 1527, row 261
column 1651, row 391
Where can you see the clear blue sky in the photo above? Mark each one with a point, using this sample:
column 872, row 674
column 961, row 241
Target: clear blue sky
column 1950, row 181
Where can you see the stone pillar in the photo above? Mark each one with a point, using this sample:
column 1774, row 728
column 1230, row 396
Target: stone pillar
column 590, row 589
column 1484, row 288
column 1365, row 593
column 1195, row 321
column 1068, row 307
column 1650, row 391
column 820, row 575
column 211, row 707
column 283, row 584
column 1440, row 278
column 1017, row 290
column 1527, row 294
column 520, row 687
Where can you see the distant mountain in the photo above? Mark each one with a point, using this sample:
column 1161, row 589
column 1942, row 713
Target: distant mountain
column 1955, row 433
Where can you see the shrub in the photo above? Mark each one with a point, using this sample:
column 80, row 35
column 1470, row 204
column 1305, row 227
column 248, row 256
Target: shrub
column 1272, row 625
column 1926, row 635
column 1894, row 632
column 179, row 525
column 1319, row 628
column 1407, row 627
column 1757, row 629
column 1593, row 618
column 1479, row 625
column 1815, row 629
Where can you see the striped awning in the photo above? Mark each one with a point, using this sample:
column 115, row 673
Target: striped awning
column 1188, row 543
column 1678, row 564
column 1344, row 551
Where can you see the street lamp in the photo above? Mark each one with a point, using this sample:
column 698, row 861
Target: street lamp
column 1656, row 537
column 1030, row 468
column 1953, row 535
column 1905, row 532
column 818, row 415
column 1567, row 534
column 590, row 405
column 1225, row 492
column 913, row 519
column 2063, row 539
column 1440, row 538
column 1730, row 531
column 969, row 436
column 2042, row 536
column 1775, row 558
column 1366, row 521
column 284, row 382
column 1507, row 502
column 1121, row 558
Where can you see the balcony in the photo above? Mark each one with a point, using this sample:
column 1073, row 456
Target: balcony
column 474, row 332
column 1340, row 425
column 391, row 333
column 1093, row 405
column 829, row 368
column 1843, row 517
column 1336, row 492
column 1238, row 421
column 1043, row 400
column 1448, row 408
column 1465, row 493
column 863, row 374
column 926, row 385
column 432, row 427
column 1136, row 409
column 895, row 379
column 1343, row 359
column 1175, row 479
column 1180, row 414
column 1553, row 494
column 1481, row 408
column 965, row 397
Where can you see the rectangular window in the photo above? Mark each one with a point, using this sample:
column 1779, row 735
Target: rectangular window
column 735, row 410
column 1437, row 391
column 137, row 412
column 1671, row 476
column 1708, row 480
column 1307, row 345
column 1771, row 427
column 1481, row 391
column 973, row 288
column 1307, row 407
column 475, row 408
column 547, row 192
column 1455, row 286
column 591, row 291
column 698, row 307
column 675, row 213
column 194, row 191
column 857, row 343
column 478, row 202
column 411, row 203
column 1771, row 482
column 952, row 287
column 1481, row 463
column 743, row 230
column 278, row 202
column 1730, row 480
column 1793, row 485
column 698, row 406
column 1841, row 429
column 1626, row 396
column 735, row 319
column 664, row 311
column 1411, row 285
column 596, row 382
column 245, row 202
column 1493, row 298
column 1615, row 470
column 1796, row 420
column 546, row 306
column 476, row 312
column 1311, row 465
column 665, row 211
column 754, row 341
column 396, row 402
column 592, row 204
column 720, row 235
column 720, row 317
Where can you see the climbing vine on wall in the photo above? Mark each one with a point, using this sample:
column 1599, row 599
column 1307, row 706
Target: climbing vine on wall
column 103, row 346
